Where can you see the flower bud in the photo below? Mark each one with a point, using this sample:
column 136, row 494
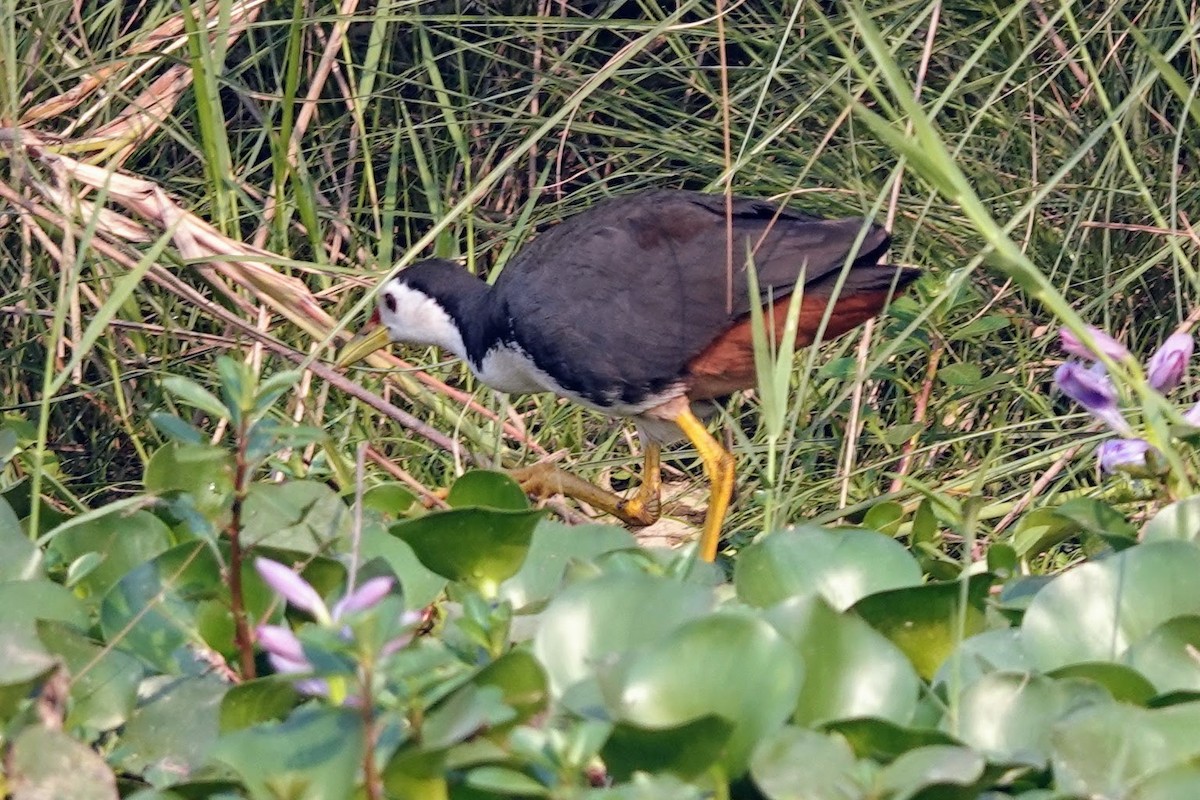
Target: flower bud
column 1100, row 342
column 1123, row 455
column 294, row 589
column 1167, row 366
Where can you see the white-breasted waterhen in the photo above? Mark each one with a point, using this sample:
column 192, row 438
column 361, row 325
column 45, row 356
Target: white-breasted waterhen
column 629, row 308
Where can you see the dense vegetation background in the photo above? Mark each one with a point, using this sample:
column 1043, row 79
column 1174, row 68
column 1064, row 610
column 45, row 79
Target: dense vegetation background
column 187, row 181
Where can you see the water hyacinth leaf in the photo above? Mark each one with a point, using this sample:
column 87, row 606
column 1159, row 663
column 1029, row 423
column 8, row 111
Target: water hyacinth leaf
column 998, row 650
column 45, row 763
column 841, row 566
column 954, row 770
column 699, row 670
column 1008, row 716
column 1177, row 783
column 466, row 712
column 391, row 499
column 1111, row 603
column 928, row 622
column 482, row 488
column 1103, row 750
column 202, row 471
column 1124, row 684
column 880, row 740
column 554, row 547
column 1040, row 530
column 798, row 764
column 885, row 517
column 588, row 625
column 172, row 734
column 151, row 612
column 522, row 681
column 104, row 680
column 1178, row 521
column 478, row 546
column 851, row 670
column 419, row 584
column 317, row 750
column 1169, row 656
column 124, row 541
column 685, row 750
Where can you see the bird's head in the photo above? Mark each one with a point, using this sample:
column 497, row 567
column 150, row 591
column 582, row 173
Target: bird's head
column 419, row 306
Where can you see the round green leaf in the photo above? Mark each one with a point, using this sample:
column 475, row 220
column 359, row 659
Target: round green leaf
column 850, row 669
column 700, row 670
column 552, row 550
column 1007, row 716
column 521, row 680
column 937, row 765
column 1125, row 684
column 1095, row 611
column 123, row 541
column 1178, row 521
column 797, row 764
column 1167, row 656
column 23, row 657
column 391, row 499
column 478, row 546
column 1104, row 750
column 419, row 584
column 928, row 622
column 202, row 471
column 592, row 622
column 1177, row 783
column 964, row 374
column 984, row 653
column 481, row 488
column 686, row 750
column 880, row 740
column 842, row 566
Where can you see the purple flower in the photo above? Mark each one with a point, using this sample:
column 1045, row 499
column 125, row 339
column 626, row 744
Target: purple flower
column 1166, row 367
column 1123, row 455
column 1092, row 390
column 366, row 596
column 1192, row 416
column 294, row 589
column 280, row 641
column 1103, row 343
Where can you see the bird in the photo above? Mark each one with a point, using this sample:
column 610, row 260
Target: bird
column 635, row 308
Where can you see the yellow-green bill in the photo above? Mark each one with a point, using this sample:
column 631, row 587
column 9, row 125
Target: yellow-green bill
column 361, row 346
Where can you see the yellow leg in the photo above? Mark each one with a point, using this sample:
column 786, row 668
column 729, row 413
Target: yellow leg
column 718, row 465
column 643, row 508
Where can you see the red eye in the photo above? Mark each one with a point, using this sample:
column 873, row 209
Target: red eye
column 374, row 320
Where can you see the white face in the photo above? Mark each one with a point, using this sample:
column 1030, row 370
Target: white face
column 416, row 318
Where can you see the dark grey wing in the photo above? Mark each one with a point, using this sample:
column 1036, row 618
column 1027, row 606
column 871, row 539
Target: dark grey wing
column 616, row 301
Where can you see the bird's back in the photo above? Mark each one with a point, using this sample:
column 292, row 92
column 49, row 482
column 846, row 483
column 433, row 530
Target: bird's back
column 641, row 284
